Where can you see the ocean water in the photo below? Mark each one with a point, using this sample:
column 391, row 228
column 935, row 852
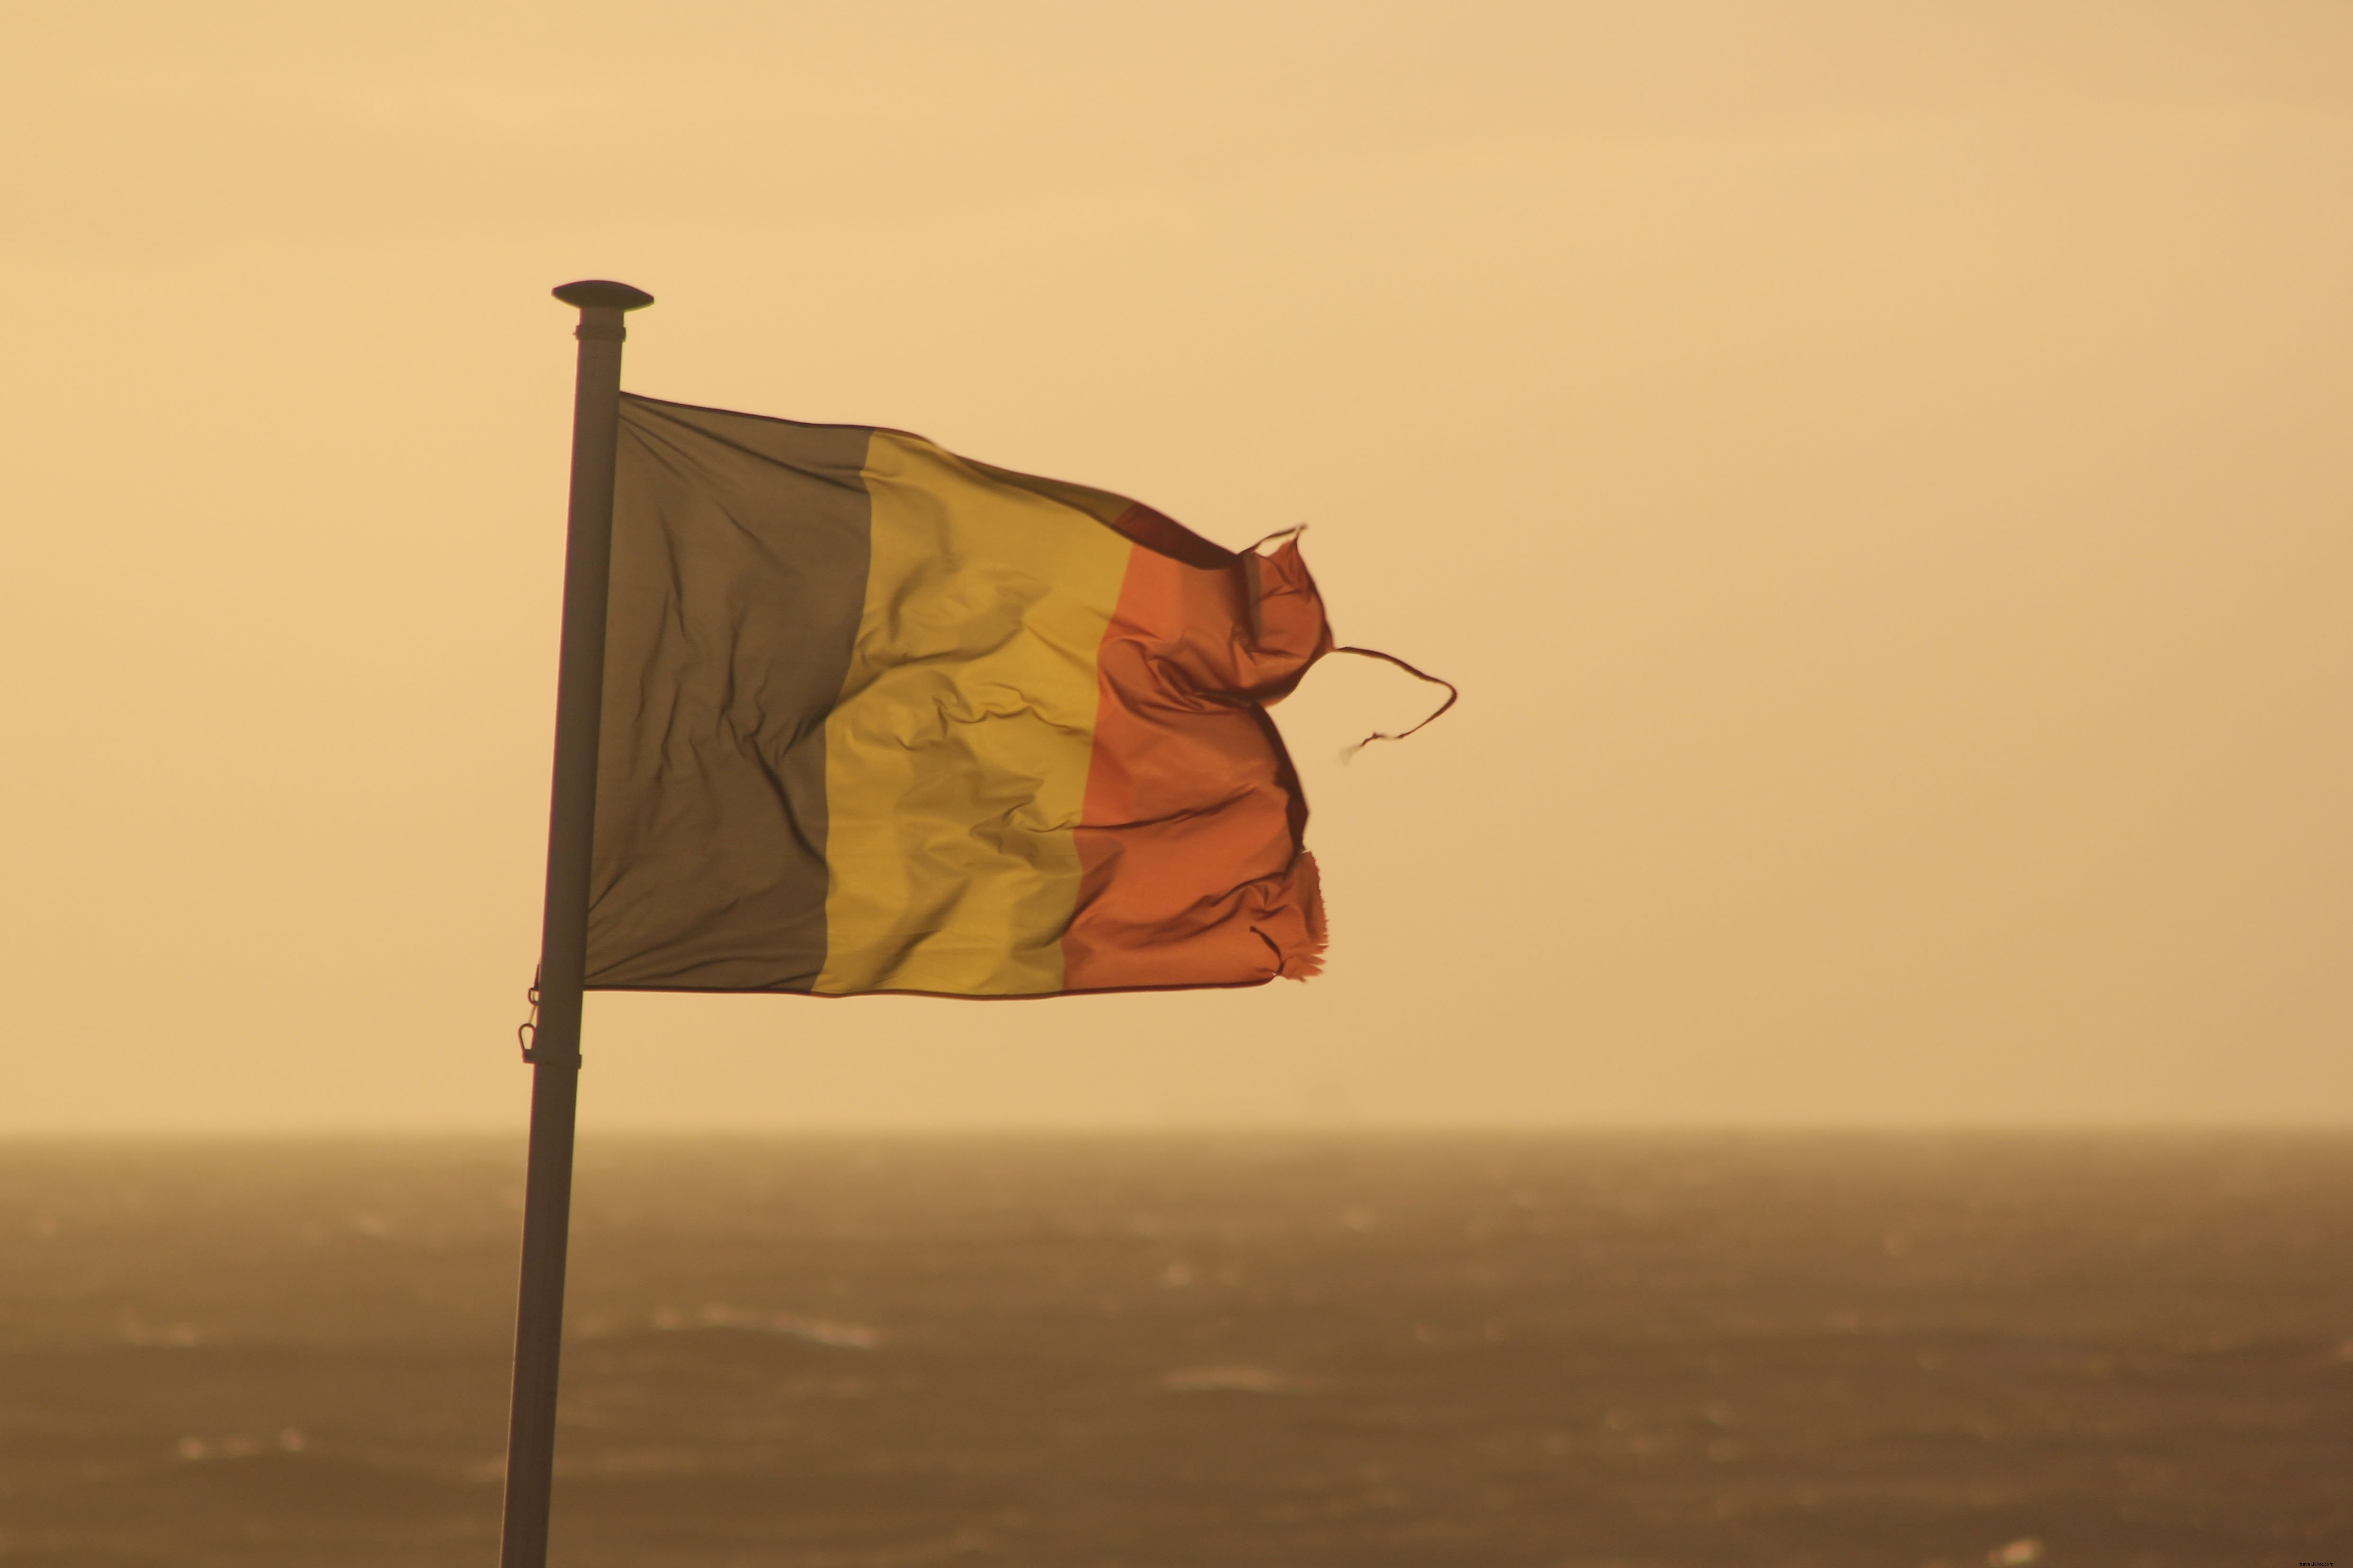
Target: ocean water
column 1655, row 1351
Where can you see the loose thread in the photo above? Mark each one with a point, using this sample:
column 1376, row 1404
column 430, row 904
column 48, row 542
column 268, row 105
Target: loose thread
column 1453, row 695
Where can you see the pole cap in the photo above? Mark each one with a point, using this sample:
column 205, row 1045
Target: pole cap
column 597, row 294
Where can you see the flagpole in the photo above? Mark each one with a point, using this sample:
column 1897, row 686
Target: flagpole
column 555, row 1052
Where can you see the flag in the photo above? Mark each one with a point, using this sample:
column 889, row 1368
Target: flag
column 878, row 717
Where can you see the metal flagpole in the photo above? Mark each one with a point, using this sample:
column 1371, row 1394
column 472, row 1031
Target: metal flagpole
column 555, row 1052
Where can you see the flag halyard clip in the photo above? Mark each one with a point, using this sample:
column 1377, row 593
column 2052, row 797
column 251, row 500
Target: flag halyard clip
column 528, row 1030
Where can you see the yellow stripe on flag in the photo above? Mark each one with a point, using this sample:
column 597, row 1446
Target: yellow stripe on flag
column 957, row 758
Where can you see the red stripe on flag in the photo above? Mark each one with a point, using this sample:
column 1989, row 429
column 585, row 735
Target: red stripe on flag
column 1192, row 867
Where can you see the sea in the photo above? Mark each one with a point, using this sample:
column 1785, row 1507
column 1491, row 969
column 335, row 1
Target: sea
column 1638, row 1351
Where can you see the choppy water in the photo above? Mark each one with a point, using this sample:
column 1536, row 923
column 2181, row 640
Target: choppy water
column 1344, row 1354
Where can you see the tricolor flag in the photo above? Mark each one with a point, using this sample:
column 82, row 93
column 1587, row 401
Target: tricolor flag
column 878, row 717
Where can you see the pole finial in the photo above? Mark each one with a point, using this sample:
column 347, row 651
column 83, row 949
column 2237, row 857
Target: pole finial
column 598, row 293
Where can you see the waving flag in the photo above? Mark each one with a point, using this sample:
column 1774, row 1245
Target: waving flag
column 877, row 717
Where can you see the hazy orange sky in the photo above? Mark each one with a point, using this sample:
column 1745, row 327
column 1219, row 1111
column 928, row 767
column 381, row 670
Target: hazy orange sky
column 1878, row 473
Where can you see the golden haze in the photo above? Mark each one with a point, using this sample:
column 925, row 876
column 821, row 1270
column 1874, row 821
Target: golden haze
column 1878, row 472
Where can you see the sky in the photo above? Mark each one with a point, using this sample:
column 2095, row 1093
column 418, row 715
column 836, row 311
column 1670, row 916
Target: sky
column 1878, row 474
